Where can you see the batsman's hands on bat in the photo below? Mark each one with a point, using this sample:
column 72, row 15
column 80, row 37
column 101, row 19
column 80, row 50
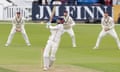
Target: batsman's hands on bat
column 18, row 29
column 48, row 24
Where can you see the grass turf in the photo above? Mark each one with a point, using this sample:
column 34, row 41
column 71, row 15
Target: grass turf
column 106, row 58
column 6, row 70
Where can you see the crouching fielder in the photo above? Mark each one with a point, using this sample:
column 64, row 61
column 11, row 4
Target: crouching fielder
column 18, row 26
column 68, row 24
column 52, row 44
column 107, row 28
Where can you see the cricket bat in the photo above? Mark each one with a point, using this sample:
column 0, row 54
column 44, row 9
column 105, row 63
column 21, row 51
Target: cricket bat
column 52, row 14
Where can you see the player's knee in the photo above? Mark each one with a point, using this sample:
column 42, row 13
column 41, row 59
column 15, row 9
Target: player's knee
column 72, row 36
column 45, row 55
column 53, row 53
column 12, row 34
column 116, row 38
column 23, row 33
column 54, row 49
column 100, row 37
column 49, row 42
column 52, row 58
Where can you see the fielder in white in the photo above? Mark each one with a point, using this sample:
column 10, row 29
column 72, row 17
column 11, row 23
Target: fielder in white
column 68, row 24
column 17, row 26
column 107, row 23
column 52, row 44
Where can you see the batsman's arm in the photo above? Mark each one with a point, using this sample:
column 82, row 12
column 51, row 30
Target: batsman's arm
column 72, row 21
column 22, row 23
column 102, row 22
column 112, row 23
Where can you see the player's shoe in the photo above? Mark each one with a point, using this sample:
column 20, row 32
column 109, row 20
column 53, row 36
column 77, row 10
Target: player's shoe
column 119, row 48
column 45, row 68
column 74, row 45
column 29, row 44
column 95, row 48
column 6, row 45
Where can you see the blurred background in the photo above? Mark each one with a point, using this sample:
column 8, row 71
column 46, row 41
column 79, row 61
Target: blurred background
column 81, row 10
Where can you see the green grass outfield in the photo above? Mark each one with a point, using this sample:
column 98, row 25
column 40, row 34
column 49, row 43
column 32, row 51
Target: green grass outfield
column 106, row 58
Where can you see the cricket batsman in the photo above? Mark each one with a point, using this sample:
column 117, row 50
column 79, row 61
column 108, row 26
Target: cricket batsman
column 52, row 44
column 17, row 26
column 107, row 24
column 68, row 24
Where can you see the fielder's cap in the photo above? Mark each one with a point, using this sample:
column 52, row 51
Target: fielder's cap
column 59, row 18
column 106, row 12
column 65, row 11
column 18, row 13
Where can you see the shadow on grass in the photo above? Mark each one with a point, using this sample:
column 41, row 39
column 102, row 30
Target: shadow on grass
column 6, row 70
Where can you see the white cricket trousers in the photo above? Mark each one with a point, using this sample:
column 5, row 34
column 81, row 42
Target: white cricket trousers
column 111, row 32
column 13, row 31
column 50, row 52
column 72, row 35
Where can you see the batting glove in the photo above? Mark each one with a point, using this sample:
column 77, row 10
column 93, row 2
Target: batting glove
column 48, row 24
